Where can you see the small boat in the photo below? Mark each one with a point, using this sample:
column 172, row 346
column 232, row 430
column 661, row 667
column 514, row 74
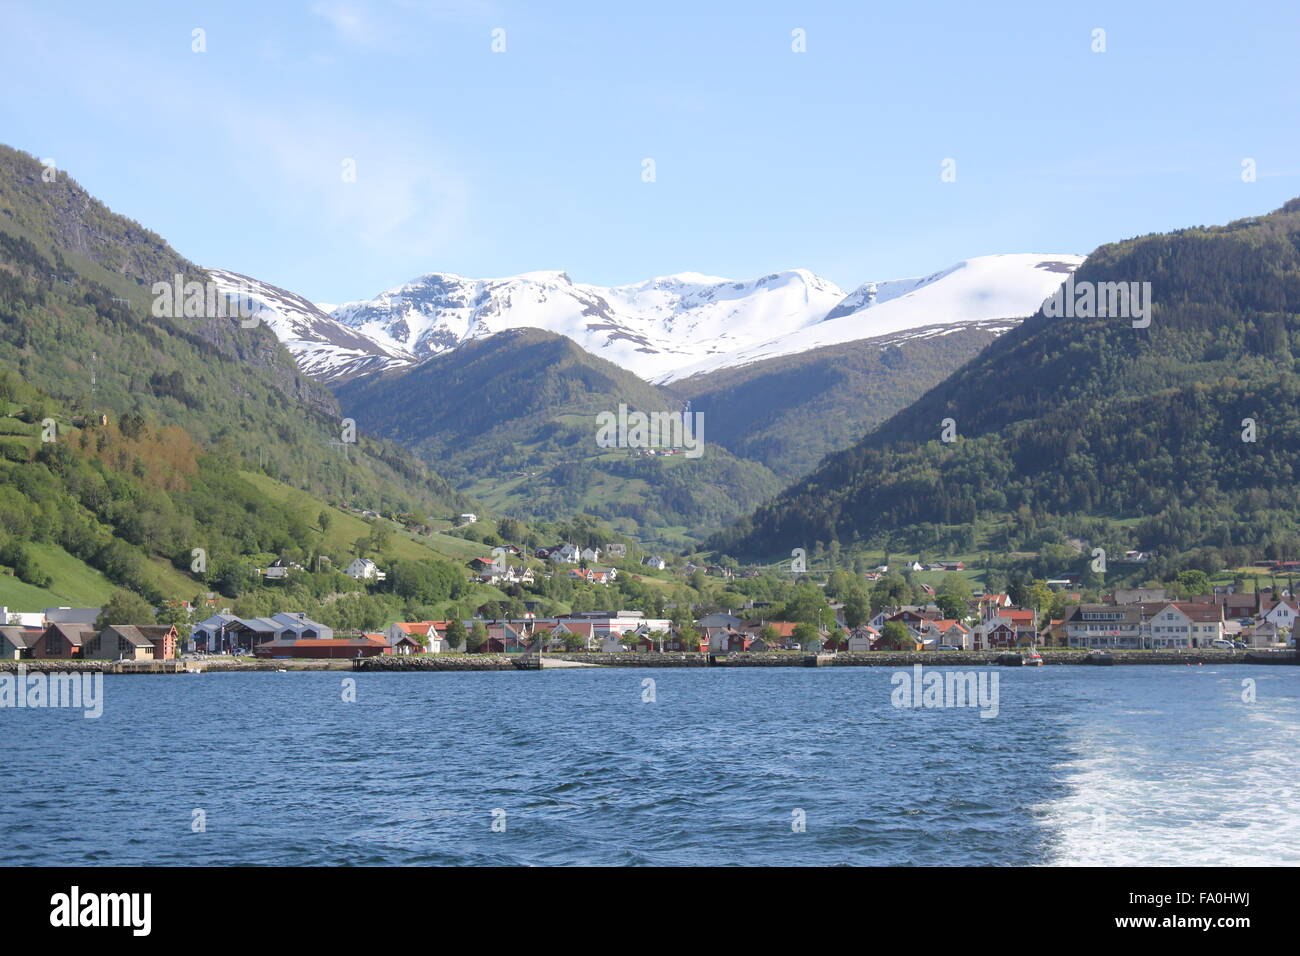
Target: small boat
column 1099, row 657
column 1033, row 659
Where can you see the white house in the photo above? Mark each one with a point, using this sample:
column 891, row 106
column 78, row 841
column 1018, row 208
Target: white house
column 861, row 638
column 656, row 562
column 1282, row 615
column 1184, row 625
column 565, row 554
column 468, row 518
column 363, row 569
column 591, row 554
column 614, row 643
column 420, row 631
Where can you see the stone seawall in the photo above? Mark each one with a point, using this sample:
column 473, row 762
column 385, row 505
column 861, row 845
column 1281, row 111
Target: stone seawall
column 507, row 662
column 394, row 664
column 207, row 665
column 928, row 658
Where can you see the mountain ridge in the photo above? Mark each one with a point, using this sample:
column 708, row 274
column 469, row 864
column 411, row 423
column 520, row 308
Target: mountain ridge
column 663, row 329
column 1088, row 428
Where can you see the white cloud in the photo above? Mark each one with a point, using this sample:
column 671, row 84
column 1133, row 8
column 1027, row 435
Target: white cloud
column 390, row 24
column 350, row 19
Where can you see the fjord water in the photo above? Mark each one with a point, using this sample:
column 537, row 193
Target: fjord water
column 1118, row 765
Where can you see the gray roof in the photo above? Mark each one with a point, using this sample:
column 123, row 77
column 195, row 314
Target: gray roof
column 19, row 636
column 76, row 634
column 71, row 615
column 130, row 633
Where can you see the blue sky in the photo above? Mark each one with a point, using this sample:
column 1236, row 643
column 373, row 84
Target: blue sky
column 490, row 164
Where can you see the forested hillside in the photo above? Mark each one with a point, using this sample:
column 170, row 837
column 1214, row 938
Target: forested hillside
column 511, row 419
column 76, row 322
column 128, row 440
column 792, row 411
column 1090, row 427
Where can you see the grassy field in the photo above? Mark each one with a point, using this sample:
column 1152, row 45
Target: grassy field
column 76, row 584
column 346, row 528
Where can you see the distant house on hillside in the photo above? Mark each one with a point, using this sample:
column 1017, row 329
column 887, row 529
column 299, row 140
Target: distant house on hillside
column 564, row 554
column 363, row 569
column 279, row 569
column 656, row 562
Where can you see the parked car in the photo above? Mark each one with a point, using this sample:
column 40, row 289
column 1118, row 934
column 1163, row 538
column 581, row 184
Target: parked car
column 949, row 647
column 1240, row 645
column 1222, row 643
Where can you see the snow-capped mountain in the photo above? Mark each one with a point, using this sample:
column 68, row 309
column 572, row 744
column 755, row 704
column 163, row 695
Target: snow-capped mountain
column 662, row 329
column 649, row 328
column 322, row 347
column 986, row 288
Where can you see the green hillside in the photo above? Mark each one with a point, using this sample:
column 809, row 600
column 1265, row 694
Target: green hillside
column 1091, row 429
column 511, row 420
column 173, row 456
column 76, row 304
column 790, row 412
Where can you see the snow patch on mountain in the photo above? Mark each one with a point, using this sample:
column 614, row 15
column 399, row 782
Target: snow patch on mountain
column 975, row 290
column 649, row 328
column 662, row 329
column 322, row 347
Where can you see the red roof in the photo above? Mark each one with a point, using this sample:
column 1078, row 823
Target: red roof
column 783, row 628
column 420, row 628
column 331, row 641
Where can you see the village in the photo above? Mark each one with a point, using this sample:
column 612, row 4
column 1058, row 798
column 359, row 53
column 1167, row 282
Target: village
column 1130, row 619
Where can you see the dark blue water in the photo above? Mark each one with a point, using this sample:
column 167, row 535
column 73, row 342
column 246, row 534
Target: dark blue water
column 1082, row 765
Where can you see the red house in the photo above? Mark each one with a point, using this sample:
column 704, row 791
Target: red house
column 62, row 641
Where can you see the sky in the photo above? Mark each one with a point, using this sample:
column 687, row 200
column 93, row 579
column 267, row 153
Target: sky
column 337, row 148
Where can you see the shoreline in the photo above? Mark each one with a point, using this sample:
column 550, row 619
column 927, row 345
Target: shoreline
column 512, row 662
